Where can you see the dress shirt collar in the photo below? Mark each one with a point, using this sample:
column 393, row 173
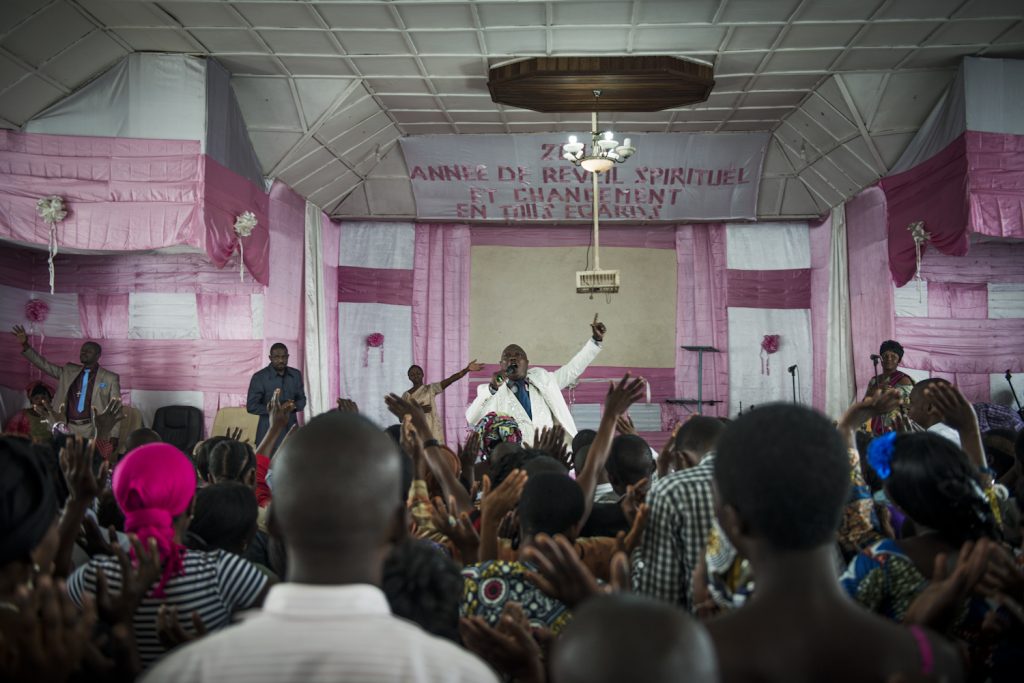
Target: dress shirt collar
column 327, row 602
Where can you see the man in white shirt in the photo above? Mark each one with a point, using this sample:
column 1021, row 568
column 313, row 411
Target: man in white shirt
column 337, row 505
column 533, row 396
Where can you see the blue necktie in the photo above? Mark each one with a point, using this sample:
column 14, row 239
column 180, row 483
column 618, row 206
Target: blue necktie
column 85, row 388
column 522, row 392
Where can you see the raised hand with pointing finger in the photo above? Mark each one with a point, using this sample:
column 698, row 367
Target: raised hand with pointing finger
column 598, row 329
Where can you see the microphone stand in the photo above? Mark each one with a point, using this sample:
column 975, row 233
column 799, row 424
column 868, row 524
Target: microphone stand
column 1008, row 376
column 874, row 362
column 792, row 373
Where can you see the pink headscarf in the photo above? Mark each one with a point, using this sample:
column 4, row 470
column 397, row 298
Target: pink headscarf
column 153, row 484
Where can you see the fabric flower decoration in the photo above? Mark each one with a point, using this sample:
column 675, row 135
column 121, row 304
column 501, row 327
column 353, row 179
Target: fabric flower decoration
column 769, row 345
column 51, row 210
column 374, row 340
column 37, row 310
column 245, row 224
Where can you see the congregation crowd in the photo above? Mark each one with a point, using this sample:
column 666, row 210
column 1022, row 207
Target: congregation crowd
column 883, row 544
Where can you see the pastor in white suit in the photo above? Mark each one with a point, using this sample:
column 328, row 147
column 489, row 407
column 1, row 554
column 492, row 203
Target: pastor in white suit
column 546, row 404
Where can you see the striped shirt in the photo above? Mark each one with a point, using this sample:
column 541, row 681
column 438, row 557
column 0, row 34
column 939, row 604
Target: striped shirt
column 215, row 584
column 682, row 512
column 322, row 634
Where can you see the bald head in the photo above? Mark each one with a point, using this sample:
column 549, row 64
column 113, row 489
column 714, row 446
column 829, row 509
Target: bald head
column 627, row 637
column 514, row 362
column 336, row 485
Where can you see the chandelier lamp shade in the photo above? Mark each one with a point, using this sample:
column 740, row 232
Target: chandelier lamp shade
column 604, row 152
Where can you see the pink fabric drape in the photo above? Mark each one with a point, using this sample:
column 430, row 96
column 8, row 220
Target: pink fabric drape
column 976, row 387
column 821, row 269
column 996, row 166
column 440, row 314
column 128, row 195
column 226, row 195
column 872, row 311
column 955, row 300
column 702, row 314
column 769, row 288
column 160, row 365
column 963, row 345
column 934, row 192
column 103, row 316
column 974, row 185
column 648, row 237
column 375, row 285
column 331, row 246
column 224, row 316
column 986, row 262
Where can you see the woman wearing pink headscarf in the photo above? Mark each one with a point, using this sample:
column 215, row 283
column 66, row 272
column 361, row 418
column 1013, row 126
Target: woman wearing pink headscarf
column 154, row 486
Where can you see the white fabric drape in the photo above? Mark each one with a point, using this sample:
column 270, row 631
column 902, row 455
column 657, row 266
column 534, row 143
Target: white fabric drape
column 163, row 315
column 318, row 397
column 839, row 380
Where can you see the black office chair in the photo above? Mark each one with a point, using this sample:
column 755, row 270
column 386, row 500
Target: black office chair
column 180, row 426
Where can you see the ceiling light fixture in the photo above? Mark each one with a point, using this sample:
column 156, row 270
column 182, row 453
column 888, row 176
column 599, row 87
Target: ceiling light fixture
column 605, row 150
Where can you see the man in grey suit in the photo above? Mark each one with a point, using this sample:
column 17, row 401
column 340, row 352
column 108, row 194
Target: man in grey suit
column 82, row 388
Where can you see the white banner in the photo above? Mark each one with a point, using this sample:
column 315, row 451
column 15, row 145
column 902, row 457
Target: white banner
column 672, row 176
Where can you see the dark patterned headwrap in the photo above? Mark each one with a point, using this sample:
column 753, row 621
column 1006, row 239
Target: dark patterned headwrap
column 28, row 504
column 496, row 429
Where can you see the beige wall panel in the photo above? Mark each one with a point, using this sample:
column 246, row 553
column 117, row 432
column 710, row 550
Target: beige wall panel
column 527, row 296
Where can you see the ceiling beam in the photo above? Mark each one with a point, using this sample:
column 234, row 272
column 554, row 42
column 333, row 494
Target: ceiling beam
column 858, row 120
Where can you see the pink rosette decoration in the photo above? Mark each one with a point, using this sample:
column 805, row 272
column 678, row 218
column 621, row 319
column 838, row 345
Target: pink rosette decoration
column 37, row 310
column 769, row 345
column 374, row 340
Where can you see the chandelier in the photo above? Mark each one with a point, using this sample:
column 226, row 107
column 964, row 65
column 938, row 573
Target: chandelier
column 605, row 151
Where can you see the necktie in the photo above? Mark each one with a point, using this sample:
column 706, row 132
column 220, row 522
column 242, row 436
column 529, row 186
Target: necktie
column 522, row 392
column 85, row 388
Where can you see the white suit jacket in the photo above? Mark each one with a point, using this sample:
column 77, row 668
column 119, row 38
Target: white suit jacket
column 546, row 401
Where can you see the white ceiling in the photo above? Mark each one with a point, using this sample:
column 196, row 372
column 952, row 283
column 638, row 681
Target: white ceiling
column 327, row 87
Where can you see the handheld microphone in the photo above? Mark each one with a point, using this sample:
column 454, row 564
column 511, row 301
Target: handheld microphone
column 875, row 357
column 791, row 369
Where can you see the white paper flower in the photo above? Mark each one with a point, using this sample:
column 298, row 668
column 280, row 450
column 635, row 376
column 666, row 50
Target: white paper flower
column 918, row 232
column 245, row 224
column 51, row 209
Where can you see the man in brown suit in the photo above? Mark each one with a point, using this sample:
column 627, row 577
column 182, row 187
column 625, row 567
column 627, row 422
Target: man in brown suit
column 82, row 389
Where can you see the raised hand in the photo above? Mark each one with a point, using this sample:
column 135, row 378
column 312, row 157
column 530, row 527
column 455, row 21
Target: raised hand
column 19, row 332
column 950, row 406
column 48, row 637
column 622, row 395
column 412, row 443
column 877, row 403
column 76, row 463
column 624, row 425
column 561, row 574
column 551, row 440
column 474, row 366
column 235, row 434
column 938, row 604
column 496, row 503
column 509, row 647
column 627, row 543
column 458, row 528
column 597, row 329
column 47, row 414
column 401, row 407
column 635, row 496
column 277, row 411
column 468, row 452
column 169, row 630
column 135, row 580
column 103, row 423
column 346, row 405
